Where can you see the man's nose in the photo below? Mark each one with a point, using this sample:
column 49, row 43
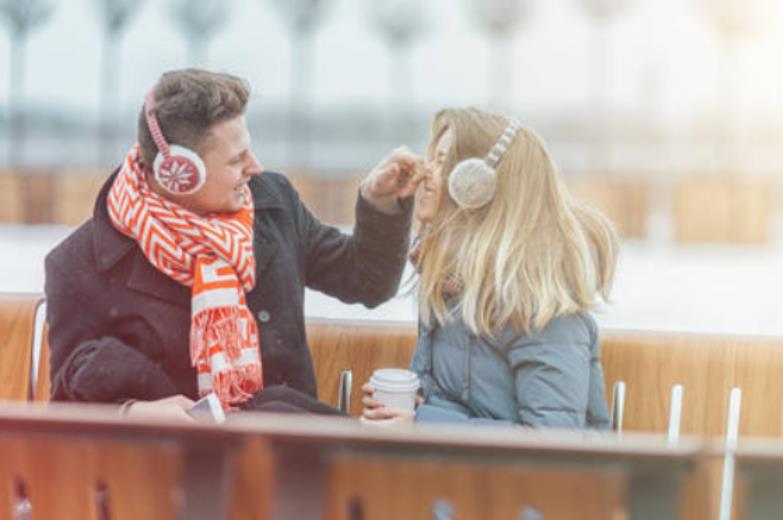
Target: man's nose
column 255, row 168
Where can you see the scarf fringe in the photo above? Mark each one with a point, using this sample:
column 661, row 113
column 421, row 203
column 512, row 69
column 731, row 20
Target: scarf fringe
column 236, row 386
column 220, row 330
column 216, row 326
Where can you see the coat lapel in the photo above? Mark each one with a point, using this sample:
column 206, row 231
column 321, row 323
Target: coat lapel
column 266, row 198
column 146, row 279
column 265, row 250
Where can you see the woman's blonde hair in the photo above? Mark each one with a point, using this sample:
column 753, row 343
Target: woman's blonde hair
column 530, row 255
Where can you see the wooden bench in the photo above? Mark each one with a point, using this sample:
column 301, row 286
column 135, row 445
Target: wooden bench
column 11, row 200
column 724, row 209
column 331, row 199
column 649, row 363
column 75, row 193
column 22, row 320
column 625, row 201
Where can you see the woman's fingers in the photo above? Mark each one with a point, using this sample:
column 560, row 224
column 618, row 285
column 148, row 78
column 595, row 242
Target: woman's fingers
column 379, row 413
column 369, row 402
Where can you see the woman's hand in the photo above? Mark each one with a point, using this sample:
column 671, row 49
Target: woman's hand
column 373, row 410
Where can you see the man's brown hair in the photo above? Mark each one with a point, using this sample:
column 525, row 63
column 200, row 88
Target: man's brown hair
column 187, row 103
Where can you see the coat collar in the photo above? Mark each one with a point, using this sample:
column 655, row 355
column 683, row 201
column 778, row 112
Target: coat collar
column 109, row 244
column 266, row 194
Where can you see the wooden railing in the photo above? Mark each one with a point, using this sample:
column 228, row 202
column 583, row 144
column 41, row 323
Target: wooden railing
column 76, row 461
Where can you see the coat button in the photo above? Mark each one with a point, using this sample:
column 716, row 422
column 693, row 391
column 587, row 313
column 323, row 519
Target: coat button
column 263, row 316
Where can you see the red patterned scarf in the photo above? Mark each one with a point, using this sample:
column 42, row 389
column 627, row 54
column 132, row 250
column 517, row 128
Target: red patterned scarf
column 214, row 256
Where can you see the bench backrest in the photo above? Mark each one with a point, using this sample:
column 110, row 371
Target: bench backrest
column 708, row 366
column 19, row 317
column 649, row 363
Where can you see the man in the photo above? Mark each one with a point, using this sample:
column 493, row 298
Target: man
column 190, row 276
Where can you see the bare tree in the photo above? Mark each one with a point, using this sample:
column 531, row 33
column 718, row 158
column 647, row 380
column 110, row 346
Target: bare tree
column 22, row 18
column 734, row 21
column 400, row 23
column 115, row 17
column 735, row 18
column 500, row 20
column 199, row 21
column 602, row 14
column 603, row 9
column 302, row 18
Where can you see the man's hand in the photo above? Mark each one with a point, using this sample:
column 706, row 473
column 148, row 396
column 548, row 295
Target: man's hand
column 396, row 177
column 174, row 407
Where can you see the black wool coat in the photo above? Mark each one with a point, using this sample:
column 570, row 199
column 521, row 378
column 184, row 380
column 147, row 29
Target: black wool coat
column 119, row 328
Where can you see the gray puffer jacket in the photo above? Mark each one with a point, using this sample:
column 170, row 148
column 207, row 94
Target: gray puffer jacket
column 546, row 379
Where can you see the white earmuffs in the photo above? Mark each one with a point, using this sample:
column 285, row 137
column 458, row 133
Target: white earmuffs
column 473, row 182
column 179, row 170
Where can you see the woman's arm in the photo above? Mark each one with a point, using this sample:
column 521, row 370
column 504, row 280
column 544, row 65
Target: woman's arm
column 597, row 410
column 552, row 381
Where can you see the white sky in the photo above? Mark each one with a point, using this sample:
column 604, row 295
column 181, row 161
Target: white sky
column 664, row 58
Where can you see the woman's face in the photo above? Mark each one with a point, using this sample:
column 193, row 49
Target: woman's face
column 432, row 187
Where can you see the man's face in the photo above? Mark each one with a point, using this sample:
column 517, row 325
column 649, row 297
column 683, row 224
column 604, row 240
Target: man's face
column 230, row 165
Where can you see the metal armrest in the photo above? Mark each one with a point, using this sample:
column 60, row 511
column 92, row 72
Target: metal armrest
column 344, row 391
column 618, row 406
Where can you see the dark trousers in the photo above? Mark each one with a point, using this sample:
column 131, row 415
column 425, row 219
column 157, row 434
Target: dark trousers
column 284, row 399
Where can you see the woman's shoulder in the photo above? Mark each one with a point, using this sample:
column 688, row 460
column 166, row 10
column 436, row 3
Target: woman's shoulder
column 567, row 328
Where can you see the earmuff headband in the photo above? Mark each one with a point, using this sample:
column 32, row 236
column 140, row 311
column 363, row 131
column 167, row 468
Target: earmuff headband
column 152, row 124
column 494, row 155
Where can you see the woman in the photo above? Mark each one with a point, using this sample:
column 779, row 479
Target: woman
column 509, row 268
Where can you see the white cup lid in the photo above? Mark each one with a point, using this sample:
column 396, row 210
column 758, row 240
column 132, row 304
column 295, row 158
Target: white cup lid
column 395, row 378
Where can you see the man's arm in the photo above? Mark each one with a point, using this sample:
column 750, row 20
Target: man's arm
column 367, row 266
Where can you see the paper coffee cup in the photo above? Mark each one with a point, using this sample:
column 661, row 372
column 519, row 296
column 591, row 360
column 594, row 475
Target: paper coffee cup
column 395, row 388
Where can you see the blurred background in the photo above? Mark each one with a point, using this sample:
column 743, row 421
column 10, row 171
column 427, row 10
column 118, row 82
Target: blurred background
column 666, row 114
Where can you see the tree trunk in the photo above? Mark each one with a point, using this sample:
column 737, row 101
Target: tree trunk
column 109, row 96
column 401, row 96
column 197, row 51
column 16, row 108
column 300, row 98
column 601, row 111
column 501, row 75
